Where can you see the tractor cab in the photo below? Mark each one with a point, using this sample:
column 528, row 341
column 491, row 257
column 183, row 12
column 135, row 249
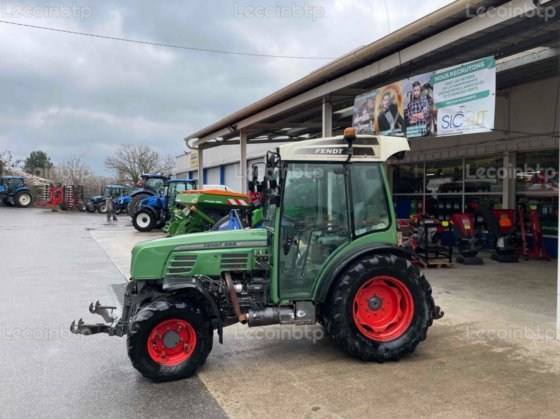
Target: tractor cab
column 323, row 196
column 114, row 191
column 98, row 202
column 9, row 184
column 175, row 186
column 153, row 183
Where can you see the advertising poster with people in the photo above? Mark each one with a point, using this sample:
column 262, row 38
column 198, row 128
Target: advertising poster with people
column 456, row 100
column 364, row 113
column 465, row 96
column 389, row 120
column 418, row 105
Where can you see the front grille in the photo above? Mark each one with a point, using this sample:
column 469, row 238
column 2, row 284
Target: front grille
column 180, row 264
column 234, row 261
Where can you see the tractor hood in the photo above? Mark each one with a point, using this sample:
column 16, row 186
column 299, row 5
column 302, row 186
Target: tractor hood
column 157, row 258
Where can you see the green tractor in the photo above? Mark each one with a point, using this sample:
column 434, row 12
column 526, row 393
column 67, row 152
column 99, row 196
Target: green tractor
column 327, row 254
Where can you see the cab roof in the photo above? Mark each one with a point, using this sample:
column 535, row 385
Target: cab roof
column 366, row 148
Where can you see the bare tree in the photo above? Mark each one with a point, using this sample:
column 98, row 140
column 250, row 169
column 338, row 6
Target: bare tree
column 8, row 164
column 130, row 162
column 75, row 172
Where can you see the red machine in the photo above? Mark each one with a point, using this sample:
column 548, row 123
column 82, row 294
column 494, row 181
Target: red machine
column 51, row 196
column 63, row 197
column 506, row 220
column 537, row 250
column 468, row 244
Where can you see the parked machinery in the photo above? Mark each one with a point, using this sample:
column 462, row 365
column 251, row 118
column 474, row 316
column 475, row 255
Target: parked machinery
column 501, row 227
column 14, row 192
column 200, row 210
column 98, row 202
column 64, row 197
column 468, row 244
column 149, row 185
column 536, row 250
column 154, row 212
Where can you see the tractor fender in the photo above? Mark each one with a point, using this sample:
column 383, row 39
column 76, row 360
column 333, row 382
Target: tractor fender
column 331, row 273
column 142, row 191
column 174, row 284
column 22, row 189
column 152, row 202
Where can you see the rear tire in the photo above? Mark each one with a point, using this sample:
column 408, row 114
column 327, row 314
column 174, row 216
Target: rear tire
column 144, row 220
column 131, row 209
column 380, row 308
column 23, row 199
column 157, row 333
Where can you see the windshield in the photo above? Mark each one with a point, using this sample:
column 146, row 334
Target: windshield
column 155, row 184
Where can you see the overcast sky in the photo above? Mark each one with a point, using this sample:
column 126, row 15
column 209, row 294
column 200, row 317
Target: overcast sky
column 78, row 96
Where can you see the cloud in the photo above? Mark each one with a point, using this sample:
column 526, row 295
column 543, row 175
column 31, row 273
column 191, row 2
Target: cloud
column 78, row 96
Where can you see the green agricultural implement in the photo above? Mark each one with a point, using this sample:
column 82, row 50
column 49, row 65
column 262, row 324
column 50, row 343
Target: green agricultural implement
column 200, row 210
column 327, row 254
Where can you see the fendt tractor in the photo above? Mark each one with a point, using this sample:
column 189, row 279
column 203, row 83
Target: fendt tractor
column 327, row 254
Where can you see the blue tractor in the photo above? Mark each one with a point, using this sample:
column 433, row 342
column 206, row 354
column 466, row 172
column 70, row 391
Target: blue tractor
column 153, row 212
column 149, row 185
column 98, row 202
column 13, row 192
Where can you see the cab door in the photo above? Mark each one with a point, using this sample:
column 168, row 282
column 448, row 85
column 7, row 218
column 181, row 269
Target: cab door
column 314, row 223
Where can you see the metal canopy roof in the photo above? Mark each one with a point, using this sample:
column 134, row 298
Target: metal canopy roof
column 525, row 44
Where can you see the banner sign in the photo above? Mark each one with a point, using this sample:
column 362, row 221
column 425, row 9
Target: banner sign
column 465, row 97
column 455, row 100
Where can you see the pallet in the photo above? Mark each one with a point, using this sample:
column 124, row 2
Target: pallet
column 439, row 263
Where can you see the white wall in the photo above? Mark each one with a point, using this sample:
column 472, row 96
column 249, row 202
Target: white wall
column 213, row 176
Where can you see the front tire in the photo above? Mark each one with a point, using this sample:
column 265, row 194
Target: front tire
column 144, row 220
column 102, row 208
column 380, row 308
column 169, row 340
column 23, row 199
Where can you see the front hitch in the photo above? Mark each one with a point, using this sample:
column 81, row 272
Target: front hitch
column 112, row 326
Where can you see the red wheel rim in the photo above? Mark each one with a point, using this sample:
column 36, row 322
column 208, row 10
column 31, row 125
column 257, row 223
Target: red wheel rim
column 171, row 342
column 383, row 308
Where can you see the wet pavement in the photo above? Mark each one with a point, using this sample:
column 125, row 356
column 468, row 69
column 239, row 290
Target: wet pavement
column 493, row 354
column 51, row 269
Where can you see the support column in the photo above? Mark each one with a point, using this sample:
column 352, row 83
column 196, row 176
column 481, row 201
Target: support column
column 200, row 167
column 327, row 117
column 508, row 182
column 243, row 159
